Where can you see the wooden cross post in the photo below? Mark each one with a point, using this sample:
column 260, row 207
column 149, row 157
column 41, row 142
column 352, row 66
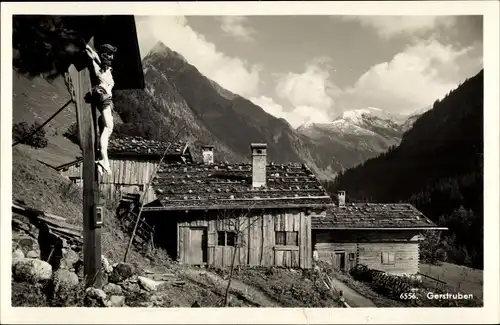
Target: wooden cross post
column 87, row 127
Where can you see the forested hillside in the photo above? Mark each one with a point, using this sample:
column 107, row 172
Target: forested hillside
column 438, row 167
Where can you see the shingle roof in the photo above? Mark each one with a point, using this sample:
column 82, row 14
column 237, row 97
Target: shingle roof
column 371, row 216
column 143, row 147
column 219, row 186
column 139, row 147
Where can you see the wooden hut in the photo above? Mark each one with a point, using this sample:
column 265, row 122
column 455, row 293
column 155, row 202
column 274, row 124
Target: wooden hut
column 205, row 212
column 132, row 161
column 383, row 237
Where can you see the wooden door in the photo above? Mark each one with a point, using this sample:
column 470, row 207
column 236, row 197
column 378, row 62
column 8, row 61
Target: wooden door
column 339, row 261
column 197, row 246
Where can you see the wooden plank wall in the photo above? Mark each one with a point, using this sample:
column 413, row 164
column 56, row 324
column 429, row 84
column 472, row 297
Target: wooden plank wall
column 257, row 242
column 326, row 252
column 127, row 172
column 73, row 171
column 368, row 247
column 114, row 191
column 126, row 177
column 406, row 255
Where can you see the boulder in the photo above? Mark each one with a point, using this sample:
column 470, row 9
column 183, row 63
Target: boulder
column 95, row 297
column 121, row 272
column 64, row 280
column 27, row 244
column 17, row 255
column 112, row 289
column 31, row 269
column 149, row 284
column 131, row 287
column 105, row 265
column 69, row 259
column 116, row 301
column 33, row 254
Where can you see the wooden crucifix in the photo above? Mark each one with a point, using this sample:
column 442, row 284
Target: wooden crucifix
column 87, row 126
column 127, row 74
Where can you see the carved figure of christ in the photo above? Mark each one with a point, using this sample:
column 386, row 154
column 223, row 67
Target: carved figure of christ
column 101, row 96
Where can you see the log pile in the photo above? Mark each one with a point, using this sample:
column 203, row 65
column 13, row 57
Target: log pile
column 52, row 235
column 55, row 225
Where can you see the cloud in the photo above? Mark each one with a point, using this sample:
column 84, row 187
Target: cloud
column 234, row 26
column 296, row 116
column 392, row 26
column 306, row 96
column 309, row 95
column 413, row 78
column 232, row 73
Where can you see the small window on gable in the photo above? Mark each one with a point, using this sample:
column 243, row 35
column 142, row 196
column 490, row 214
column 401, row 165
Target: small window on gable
column 388, row 258
column 287, row 238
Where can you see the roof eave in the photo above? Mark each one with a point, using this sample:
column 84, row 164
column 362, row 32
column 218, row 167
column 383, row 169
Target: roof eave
column 69, row 164
column 380, row 228
column 243, row 206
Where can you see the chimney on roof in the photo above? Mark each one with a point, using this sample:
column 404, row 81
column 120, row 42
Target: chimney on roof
column 259, row 155
column 341, row 198
column 208, row 154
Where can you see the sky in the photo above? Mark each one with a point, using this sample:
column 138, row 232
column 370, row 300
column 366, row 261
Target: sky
column 313, row 68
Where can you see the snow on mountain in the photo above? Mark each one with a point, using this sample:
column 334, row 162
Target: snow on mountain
column 357, row 134
column 367, row 122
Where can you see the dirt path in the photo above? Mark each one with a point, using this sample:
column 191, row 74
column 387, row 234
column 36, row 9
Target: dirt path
column 252, row 294
column 352, row 297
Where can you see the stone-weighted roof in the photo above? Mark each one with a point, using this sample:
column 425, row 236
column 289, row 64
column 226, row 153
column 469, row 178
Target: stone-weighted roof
column 220, row 186
column 372, row 215
column 136, row 146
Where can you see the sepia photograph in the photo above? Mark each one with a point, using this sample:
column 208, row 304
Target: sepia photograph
column 327, row 161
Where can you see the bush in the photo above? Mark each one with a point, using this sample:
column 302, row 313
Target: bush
column 37, row 140
column 42, row 294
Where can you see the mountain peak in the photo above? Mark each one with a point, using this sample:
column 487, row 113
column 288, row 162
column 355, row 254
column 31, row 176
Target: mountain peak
column 161, row 49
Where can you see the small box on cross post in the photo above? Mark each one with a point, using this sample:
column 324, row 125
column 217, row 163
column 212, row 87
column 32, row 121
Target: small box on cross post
column 98, row 217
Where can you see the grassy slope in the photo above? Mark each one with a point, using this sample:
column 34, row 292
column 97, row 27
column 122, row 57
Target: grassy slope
column 460, row 278
column 42, row 187
column 290, row 288
column 35, row 100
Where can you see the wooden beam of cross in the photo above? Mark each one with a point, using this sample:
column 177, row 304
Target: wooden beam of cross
column 87, row 127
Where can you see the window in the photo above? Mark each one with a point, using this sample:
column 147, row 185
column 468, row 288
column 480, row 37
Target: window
column 388, row 258
column 221, row 238
column 352, row 256
column 226, row 238
column 287, row 238
column 230, row 238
